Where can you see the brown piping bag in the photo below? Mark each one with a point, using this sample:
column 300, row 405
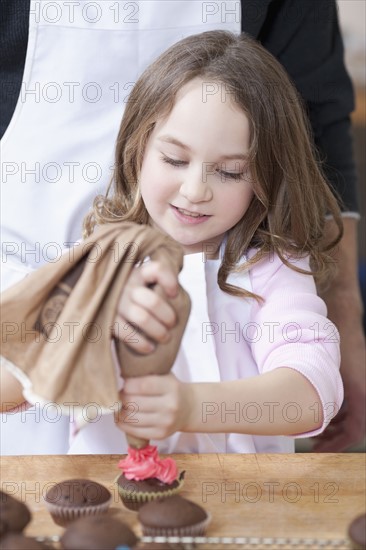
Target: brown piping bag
column 56, row 324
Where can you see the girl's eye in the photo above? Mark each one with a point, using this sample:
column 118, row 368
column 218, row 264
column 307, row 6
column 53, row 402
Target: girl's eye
column 231, row 175
column 173, row 162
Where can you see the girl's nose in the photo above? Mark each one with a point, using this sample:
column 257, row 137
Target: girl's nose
column 195, row 187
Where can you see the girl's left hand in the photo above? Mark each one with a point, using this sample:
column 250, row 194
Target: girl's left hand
column 154, row 407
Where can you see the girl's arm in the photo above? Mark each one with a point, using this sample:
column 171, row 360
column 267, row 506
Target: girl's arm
column 280, row 402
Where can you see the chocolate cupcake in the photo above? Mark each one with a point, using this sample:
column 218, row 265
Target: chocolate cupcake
column 135, row 493
column 14, row 514
column 74, row 498
column 357, row 532
column 173, row 517
column 145, row 477
column 94, row 533
column 16, row 541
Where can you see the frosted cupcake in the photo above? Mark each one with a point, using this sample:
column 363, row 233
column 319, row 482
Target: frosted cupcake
column 146, row 477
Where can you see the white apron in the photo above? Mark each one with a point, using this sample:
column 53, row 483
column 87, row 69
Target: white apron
column 82, row 61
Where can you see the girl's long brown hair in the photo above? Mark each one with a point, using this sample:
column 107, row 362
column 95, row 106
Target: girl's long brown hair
column 291, row 197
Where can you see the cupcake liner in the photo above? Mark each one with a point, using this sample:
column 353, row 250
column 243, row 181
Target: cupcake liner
column 63, row 515
column 133, row 499
column 196, row 530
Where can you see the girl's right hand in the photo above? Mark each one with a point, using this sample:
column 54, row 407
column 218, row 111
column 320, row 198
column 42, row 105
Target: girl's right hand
column 144, row 318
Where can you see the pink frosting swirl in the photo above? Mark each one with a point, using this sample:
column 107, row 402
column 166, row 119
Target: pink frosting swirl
column 145, row 463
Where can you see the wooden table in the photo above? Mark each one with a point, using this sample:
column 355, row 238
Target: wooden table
column 300, row 495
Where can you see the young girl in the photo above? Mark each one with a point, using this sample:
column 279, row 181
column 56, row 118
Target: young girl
column 213, row 150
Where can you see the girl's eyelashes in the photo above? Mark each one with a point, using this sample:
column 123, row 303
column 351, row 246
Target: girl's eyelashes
column 221, row 173
column 173, row 162
column 231, row 175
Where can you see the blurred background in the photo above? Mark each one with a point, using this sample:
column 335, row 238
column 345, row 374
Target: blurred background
column 352, row 18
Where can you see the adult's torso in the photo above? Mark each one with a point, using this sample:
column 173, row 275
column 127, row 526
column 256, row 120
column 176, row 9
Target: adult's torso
column 57, row 153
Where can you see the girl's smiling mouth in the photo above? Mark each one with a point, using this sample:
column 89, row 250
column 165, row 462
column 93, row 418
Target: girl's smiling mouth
column 189, row 217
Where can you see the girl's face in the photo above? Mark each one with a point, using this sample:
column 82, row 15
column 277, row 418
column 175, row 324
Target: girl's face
column 194, row 178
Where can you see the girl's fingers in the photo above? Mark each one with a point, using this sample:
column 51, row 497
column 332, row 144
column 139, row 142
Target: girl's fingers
column 157, row 306
column 156, row 273
column 145, row 324
column 138, row 419
column 145, row 309
column 151, row 406
column 126, row 332
column 143, row 405
column 143, row 425
column 144, row 317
